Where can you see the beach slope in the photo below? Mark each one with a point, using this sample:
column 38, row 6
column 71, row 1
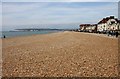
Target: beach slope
column 59, row 55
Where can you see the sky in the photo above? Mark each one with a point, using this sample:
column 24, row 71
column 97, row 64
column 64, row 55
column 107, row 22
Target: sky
column 54, row 14
column 60, row 0
column 119, row 10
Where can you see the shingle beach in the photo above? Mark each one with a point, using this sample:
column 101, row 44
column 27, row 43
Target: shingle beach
column 63, row 54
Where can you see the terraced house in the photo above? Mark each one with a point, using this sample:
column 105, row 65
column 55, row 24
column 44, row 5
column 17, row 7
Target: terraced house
column 106, row 24
column 83, row 27
column 88, row 28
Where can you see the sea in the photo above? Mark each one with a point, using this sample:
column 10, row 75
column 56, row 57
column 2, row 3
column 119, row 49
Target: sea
column 10, row 34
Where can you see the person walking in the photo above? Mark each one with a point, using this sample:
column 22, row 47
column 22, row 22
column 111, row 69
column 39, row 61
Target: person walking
column 108, row 33
column 116, row 34
column 4, row 36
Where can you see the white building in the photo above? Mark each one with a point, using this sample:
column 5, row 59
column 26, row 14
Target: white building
column 108, row 24
column 113, row 24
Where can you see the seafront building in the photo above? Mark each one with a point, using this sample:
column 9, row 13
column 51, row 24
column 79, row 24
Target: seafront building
column 83, row 27
column 88, row 27
column 92, row 28
column 106, row 24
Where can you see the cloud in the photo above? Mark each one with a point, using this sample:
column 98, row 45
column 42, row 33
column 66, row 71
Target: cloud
column 20, row 7
column 60, row 0
column 15, row 14
column 0, row 16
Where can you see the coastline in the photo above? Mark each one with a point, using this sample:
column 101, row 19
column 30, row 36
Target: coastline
column 60, row 54
column 12, row 34
column 96, row 34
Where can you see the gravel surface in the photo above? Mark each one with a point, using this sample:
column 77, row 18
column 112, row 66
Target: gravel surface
column 64, row 54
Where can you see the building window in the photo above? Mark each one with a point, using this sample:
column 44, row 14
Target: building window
column 112, row 22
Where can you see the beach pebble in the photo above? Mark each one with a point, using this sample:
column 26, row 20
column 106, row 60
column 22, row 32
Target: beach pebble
column 65, row 54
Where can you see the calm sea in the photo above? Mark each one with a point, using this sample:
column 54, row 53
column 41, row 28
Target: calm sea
column 25, row 33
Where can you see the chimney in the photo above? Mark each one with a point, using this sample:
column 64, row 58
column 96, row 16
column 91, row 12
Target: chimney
column 111, row 17
column 107, row 18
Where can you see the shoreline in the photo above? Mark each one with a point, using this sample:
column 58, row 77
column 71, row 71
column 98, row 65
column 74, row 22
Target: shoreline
column 31, row 35
column 96, row 34
column 21, row 35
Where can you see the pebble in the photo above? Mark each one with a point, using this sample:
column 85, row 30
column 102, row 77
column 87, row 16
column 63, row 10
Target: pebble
column 55, row 58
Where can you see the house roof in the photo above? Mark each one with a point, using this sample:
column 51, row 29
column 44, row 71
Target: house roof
column 87, row 25
column 104, row 20
column 118, row 21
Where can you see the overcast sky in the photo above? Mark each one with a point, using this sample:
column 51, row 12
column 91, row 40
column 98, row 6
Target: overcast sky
column 60, row 0
column 17, row 14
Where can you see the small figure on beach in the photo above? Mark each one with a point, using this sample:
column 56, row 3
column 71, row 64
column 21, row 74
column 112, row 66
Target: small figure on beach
column 108, row 33
column 112, row 33
column 4, row 36
column 116, row 34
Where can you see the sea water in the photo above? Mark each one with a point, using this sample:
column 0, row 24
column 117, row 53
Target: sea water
column 8, row 34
